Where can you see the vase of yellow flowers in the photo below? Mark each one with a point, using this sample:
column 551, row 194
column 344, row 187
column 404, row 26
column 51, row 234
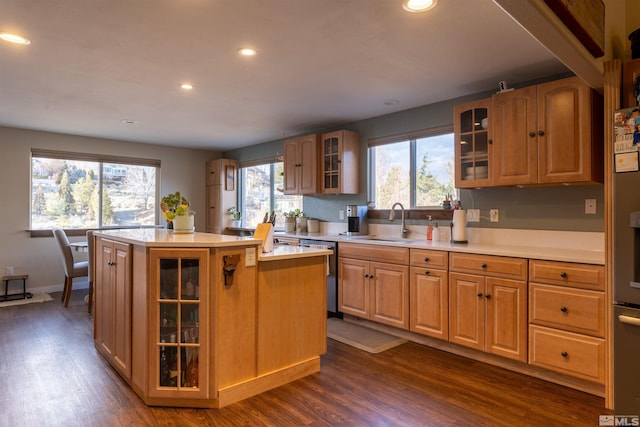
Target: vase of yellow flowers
column 175, row 209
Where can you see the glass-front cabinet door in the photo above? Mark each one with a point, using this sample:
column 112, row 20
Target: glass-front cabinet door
column 331, row 168
column 473, row 144
column 179, row 317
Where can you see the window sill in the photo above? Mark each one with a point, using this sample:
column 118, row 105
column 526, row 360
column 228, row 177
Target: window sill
column 75, row 232
column 419, row 214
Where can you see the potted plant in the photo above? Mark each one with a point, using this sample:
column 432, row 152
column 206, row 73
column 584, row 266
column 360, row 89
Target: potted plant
column 290, row 219
column 236, row 216
column 175, row 209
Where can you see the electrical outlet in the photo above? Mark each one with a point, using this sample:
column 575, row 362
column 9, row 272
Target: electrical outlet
column 341, row 213
column 473, row 215
column 590, row 206
column 494, row 215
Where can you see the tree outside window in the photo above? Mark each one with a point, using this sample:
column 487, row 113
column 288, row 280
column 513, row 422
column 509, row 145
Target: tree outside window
column 261, row 193
column 417, row 172
column 72, row 194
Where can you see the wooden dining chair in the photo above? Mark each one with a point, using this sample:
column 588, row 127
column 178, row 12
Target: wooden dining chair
column 72, row 268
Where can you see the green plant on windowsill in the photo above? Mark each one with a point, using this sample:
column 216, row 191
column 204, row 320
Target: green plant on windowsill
column 236, row 215
column 293, row 214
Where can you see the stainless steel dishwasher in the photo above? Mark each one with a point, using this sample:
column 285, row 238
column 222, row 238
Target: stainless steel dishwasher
column 332, row 277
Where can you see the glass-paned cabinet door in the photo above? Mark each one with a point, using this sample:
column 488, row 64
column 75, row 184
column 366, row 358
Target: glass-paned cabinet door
column 178, row 314
column 331, row 151
column 473, row 144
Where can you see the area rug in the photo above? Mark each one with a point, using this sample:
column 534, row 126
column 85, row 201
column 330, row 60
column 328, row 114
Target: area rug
column 43, row 297
column 360, row 337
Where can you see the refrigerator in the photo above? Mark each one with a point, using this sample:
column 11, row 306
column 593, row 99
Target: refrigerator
column 626, row 263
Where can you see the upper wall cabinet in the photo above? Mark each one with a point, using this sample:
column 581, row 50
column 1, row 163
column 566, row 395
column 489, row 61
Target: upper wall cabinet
column 472, row 144
column 547, row 134
column 339, row 160
column 322, row 164
column 300, row 165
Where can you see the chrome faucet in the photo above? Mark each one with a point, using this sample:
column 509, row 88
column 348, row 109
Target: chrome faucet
column 404, row 229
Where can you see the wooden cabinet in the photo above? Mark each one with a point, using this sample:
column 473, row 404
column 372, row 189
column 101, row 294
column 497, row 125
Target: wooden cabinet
column 515, row 156
column 206, row 324
column 429, row 293
column 473, row 144
column 372, row 286
column 488, row 304
column 339, row 162
column 113, row 303
column 221, row 191
column 567, row 318
column 300, row 165
column 547, row 134
column 178, row 319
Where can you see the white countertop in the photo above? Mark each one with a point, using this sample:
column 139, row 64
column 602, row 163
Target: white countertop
column 543, row 252
column 163, row 238
column 288, row 252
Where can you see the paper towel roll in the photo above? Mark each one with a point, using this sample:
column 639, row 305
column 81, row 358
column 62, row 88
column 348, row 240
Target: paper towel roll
column 459, row 225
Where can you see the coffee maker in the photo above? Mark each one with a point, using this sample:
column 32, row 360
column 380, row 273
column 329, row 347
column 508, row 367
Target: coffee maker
column 356, row 220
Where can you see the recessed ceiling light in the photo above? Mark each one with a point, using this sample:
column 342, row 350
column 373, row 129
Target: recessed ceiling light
column 248, row 51
column 14, row 38
column 391, row 102
column 128, row 121
column 418, row 5
column 186, row 86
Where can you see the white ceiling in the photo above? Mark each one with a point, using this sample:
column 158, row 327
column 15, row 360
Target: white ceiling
column 320, row 63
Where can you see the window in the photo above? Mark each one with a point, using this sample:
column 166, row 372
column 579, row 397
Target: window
column 416, row 170
column 261, row 192
column 82, row 191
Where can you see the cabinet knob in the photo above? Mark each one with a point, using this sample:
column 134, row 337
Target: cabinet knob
column 564, row 354
column 540, row 133
column 479, row 294
column 563, row 309
column 426, row 259
column 487, row 296
column 563, row 275
column 532, row 134
column 483, row 265
column 490, row 141
column 426, row 273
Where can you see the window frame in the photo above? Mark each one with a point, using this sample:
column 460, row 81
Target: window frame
column 102, row 160
column 410, row 137
column 272, row 162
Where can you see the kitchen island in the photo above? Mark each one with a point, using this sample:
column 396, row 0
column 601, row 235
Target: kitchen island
column 205, row 320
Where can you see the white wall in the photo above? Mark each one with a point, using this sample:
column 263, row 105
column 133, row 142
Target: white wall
column 181, row 169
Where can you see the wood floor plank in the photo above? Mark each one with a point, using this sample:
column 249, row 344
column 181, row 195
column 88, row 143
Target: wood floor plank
column 53, row 376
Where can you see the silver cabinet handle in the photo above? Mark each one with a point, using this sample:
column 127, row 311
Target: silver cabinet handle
column 629, row 320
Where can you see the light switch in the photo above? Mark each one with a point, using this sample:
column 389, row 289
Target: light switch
column 250, row 257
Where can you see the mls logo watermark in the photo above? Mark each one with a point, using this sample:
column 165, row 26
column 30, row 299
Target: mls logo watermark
column 619, row 420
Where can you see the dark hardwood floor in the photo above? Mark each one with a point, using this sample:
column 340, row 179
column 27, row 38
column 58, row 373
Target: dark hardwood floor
column 51, row 375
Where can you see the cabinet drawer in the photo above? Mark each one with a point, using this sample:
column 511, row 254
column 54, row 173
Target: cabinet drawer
column 496, row 266
column 577, row 355
column 431, row 259
column 572, row 309
column 374, row 253
column 585, row 276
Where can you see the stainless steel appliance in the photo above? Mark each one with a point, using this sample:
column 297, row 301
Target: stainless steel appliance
column 356, row 220
column 332, row 277
column 626, row 275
